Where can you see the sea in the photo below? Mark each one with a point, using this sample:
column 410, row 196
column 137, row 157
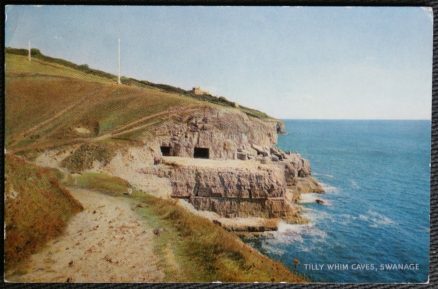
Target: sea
column 375, row 225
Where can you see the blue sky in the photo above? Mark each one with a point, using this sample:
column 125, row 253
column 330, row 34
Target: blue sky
column 291, row 62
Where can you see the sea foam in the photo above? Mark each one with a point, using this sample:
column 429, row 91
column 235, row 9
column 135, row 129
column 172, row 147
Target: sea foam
column 329, row 188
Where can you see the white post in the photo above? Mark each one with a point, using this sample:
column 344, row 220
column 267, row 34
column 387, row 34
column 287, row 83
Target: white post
column 118, row 79
column 29, row 56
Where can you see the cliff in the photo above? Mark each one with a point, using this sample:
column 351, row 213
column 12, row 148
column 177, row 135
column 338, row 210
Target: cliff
column 86, row 122
column 229, row 188
column 241, row 174
column 188, row 155
column 224, row 132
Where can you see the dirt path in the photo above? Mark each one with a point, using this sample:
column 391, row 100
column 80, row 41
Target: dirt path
column 137, row 124
column 107, row 242
column 128, row 128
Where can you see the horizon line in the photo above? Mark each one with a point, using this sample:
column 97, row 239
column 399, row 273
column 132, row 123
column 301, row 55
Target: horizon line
column 176, row 86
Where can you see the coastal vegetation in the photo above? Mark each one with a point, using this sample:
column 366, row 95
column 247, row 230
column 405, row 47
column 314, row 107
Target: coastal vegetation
column 83, row 115
column 191, row 249
column 141, row 93
column 83, row 157
column 205, row 251
column 99, row 182
column 37, row 208
column 83, row 104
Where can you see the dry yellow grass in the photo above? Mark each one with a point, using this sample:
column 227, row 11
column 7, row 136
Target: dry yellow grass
column 46, row 103
column 36, row 208
column 205, row 252
column 62, row 100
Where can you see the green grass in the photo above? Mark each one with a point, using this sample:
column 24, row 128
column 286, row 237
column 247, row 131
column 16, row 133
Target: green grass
column 18, row 64
column 37, row 208
column 205, row 252
column 99, row 182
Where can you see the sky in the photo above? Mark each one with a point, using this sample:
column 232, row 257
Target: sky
column 290, row 62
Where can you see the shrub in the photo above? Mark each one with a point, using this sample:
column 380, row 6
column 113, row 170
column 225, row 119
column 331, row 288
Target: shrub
column 84, row 156
column 37, row 208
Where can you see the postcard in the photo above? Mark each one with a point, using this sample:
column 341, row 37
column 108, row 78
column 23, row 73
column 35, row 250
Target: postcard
column 159, row 144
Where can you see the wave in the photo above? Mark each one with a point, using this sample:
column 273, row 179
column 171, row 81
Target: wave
column 289, row 233
column 354, row 184
column 376, row 219
column 272, row 249
column 308, row 198
column 345, row 219
column 324, row 175
column 329, row 188
column 373, row 218
column 316, row 215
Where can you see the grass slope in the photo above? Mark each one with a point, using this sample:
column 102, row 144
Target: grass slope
column 36, row 93
column 47, row 99
column 36, row 208
column 205, row 252
column 100, row 182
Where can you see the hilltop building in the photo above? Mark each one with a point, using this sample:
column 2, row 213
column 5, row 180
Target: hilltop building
column 199, row 91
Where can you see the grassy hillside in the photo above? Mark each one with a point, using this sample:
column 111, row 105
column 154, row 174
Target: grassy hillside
column 49, row 105
column 36, row 208
column 205, row 252
column 192, row 249
column 51, row 101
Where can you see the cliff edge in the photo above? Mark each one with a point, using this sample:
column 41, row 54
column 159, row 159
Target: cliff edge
column 205, row 150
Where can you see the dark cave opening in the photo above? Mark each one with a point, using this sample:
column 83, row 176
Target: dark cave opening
column 201, row 153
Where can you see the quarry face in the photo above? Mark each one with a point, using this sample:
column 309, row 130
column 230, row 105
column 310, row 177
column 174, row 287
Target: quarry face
column 224, row 161
column 217, row 159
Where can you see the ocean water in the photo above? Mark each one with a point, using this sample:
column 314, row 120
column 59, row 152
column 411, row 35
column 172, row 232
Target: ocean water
column 377, row 179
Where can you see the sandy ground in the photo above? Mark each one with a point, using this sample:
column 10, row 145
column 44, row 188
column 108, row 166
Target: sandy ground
column 128, row 166
column 107, row 242
column 53, row 158
column 211, row 163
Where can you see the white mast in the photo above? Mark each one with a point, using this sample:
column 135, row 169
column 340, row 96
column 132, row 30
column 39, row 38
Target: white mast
column 118, row 79
column 29, row 56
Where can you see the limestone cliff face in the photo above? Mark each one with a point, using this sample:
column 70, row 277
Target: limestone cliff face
column 246, row 174
column 230, row 188
column 222, row 131
column 227, row 183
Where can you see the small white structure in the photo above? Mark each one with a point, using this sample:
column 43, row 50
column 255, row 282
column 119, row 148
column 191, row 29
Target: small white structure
column 199, row 91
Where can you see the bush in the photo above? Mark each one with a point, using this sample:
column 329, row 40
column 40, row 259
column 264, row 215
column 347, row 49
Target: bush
column 84, row 157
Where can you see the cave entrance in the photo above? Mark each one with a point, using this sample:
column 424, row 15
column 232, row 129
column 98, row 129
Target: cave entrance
column 165, row 150
column 201, row 153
